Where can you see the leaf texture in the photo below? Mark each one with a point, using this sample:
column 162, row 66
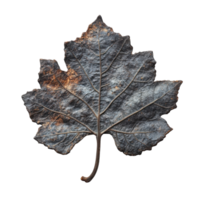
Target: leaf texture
column 106, row 90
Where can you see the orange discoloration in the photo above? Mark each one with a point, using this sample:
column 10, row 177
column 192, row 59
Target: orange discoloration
column 36, row 109
column 88, row 35
column 105, row 30
column 116, row 88
column 45, row 125
column 67, row 79
column 47, row 71
column 91, row 33
column 52, row 83
column 52, row 139
column 57, row 120
column 72, row 78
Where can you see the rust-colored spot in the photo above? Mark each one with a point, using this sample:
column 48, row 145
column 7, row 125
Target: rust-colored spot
column 116, row 88
column 72, row 78
column 54, row 80
column 90, row 38
column 52, row 84
column 57, row 120
column 45, row 125
column 52, row 139
column 105, row 30
column 36, row 109
column 47, row 72
column 88, row 35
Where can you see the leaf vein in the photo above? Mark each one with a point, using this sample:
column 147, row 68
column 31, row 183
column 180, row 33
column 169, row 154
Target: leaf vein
column 76, row 96
column 137, row 111
column 66, row 115
column 129, row 132
column 84, row 71
column 122, row 90
column 115, row 57
column 109, row 47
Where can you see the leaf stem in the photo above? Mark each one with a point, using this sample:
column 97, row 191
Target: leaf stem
column 89, row 178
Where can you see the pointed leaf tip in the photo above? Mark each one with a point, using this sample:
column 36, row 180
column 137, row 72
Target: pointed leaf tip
column 99, row 15
column 99, row 18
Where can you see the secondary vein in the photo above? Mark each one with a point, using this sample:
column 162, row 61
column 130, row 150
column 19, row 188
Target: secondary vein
column 137, row 111
column 76, row 96
column 66, row 115
column 84, row 71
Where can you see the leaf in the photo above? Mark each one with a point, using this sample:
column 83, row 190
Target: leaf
column 106, row 90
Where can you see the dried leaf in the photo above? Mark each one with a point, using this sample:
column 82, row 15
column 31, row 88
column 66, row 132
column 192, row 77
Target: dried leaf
column 106, row 90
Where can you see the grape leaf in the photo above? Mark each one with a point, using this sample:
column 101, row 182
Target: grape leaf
column 106, row 90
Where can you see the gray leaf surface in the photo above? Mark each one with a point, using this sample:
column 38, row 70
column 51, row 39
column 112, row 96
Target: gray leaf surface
column 106, row 90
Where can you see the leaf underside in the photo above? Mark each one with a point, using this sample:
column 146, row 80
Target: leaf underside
column 106, row 81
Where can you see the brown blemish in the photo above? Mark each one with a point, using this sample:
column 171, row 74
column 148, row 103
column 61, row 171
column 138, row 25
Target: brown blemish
column 52, row 139
column 73, row 77
column 36, row 109
column 88, row 35
column 45, row 125
column 52, row 83
column 116, row 88
column 70, row 78
column 92, row 30
column 105, row 30
column 47, row 72
column 57, row 120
